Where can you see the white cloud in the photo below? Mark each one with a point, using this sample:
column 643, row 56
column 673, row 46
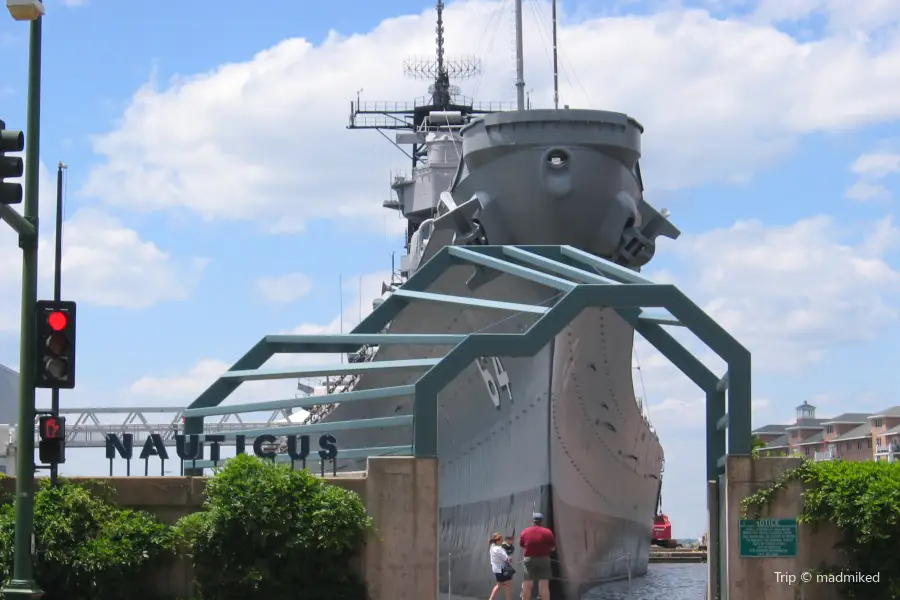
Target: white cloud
column 183, row 388
column 788, row 293
column 107, row 264
column 744, row 92
column 872, row 169
column 863, row 191
column 358, row 295
column 104, row 262
column 862, row 15
column 180, row 387
column 284, row 288
column 686, row 416
column 877, row 165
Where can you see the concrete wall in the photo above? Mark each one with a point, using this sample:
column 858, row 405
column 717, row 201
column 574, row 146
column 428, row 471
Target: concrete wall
column 756, row 578
column 400, row 559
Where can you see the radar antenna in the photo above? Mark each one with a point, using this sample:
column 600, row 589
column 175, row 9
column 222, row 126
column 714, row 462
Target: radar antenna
column 441, row 71
column 442, row 96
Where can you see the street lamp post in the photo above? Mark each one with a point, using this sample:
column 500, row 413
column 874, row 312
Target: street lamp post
column 22, row 584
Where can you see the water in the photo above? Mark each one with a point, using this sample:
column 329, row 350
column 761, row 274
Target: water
column 662, row 582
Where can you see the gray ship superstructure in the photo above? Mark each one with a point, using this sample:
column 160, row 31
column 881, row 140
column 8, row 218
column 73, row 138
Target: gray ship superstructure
column 560, row 432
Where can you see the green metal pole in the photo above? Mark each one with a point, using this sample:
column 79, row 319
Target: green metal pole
column 22, row 584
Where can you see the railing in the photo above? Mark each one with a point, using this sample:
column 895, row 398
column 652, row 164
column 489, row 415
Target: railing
column 887, row 449
column 381, row 121
column 344, row 383
column 393, row 115
column 408, row 107
column 829, row 454
column 645, row 413
column 385, row 107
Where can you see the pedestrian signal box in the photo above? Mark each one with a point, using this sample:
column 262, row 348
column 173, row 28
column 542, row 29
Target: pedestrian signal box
column 52, row 443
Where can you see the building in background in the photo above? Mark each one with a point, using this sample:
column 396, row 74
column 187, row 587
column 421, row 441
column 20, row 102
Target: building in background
column 9, row 417
column 886, row 433
column 849, row 436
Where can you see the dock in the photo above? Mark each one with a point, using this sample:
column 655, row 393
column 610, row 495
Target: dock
column 677, row 555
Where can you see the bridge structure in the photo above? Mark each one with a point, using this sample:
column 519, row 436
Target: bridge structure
column 87, row 427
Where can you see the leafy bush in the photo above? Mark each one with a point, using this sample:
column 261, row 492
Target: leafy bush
column 756, row 446
column 86, row 547
column 862, row 499
column 268, row 531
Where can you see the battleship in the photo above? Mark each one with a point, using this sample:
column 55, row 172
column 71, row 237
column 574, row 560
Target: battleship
column 561, row 433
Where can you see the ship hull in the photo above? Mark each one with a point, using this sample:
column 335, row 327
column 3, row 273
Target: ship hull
column 564, row 437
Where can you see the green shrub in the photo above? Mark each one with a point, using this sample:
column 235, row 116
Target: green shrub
column 756, row 446
column 862, row 499
column 268, row 531
column 86, row 547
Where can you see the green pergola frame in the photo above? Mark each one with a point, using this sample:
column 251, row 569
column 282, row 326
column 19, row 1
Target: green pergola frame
column 583, row 279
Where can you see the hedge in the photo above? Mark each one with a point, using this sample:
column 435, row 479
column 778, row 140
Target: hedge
column 265, row 531
column 861, row 499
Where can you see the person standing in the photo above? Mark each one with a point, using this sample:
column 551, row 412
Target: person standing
column 501, row 566
column 537, row 542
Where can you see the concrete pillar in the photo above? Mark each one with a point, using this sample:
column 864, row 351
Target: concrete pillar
column 756, row 578
column 400, row 561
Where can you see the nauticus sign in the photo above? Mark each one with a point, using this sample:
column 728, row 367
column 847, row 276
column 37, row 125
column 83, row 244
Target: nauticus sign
column 190, row 447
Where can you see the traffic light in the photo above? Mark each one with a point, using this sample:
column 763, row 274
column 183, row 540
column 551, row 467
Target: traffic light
column 10, row 166
column 52, row 445
column 55, row 344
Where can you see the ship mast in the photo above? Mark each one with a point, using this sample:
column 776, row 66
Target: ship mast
column 413, row 121
column 555, row 63
column 442, row 96
column 520, row 60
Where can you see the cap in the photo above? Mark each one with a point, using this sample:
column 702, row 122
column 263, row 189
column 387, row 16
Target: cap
column 537, row 517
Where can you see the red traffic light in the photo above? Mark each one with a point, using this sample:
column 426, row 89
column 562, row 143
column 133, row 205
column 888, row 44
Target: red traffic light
column 57, row 320
column 52, row 428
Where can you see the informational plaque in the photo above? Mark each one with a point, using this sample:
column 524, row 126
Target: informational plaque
column 768, row 538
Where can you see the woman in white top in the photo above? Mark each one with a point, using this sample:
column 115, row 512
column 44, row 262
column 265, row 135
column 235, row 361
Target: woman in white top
column 501, row 566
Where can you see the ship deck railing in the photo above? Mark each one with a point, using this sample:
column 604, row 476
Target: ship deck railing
column 364, row 107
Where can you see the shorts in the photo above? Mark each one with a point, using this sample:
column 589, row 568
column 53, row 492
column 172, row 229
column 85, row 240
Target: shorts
column 537, row 568
column 503, row 577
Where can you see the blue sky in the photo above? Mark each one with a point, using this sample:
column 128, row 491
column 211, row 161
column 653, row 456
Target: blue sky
column 207, row 152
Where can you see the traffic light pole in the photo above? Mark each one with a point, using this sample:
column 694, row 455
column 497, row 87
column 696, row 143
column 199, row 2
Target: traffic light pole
column 22, row 584
column 57, row 292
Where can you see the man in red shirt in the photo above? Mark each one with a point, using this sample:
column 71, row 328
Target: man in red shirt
column 537, row 542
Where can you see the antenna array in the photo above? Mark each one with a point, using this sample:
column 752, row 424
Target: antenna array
column 423, row 67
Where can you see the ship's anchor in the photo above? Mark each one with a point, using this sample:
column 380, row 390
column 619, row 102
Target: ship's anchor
column 639, row 243
column 634, row 249
column 467, row 230
column 461, row 220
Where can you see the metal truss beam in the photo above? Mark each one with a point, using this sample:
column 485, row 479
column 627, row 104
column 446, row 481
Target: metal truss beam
column 87, row 427
column 310, row 401
column 321, row 371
